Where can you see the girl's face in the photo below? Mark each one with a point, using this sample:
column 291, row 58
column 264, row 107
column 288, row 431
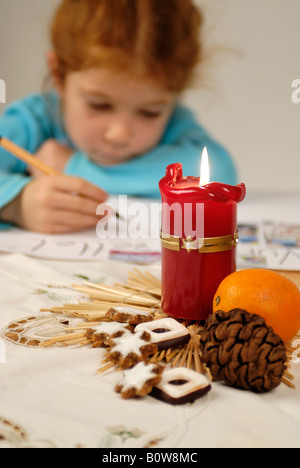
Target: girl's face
column 114, row 117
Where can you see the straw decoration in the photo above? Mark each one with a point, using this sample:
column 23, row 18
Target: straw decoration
column 143, row 293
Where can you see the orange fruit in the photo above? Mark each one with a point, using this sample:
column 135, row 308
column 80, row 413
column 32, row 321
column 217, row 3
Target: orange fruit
column 265, row 293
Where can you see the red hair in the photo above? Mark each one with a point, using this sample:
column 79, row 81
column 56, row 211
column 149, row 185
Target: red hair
column 151, row 38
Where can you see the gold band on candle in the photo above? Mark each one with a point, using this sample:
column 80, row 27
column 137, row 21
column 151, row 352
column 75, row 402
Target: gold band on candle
column 202, row 245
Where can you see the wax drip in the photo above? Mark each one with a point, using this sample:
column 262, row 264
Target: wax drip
column 223, row 192
column 215, row 191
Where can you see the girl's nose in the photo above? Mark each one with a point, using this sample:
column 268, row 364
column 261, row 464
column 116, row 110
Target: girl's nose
column 117, row 133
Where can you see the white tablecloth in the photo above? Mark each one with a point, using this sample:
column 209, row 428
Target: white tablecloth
column 53, row 397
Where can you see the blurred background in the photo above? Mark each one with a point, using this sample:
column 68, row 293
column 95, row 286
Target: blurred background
column 253, row 51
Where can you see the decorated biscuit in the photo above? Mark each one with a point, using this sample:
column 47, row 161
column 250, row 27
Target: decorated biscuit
column 103, row 333
column 181, row 385
column 129, row 315
column 129, row 349
column 166, row 333
column 139, row 380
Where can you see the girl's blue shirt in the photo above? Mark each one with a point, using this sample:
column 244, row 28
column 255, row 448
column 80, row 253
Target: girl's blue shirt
column 35, row 119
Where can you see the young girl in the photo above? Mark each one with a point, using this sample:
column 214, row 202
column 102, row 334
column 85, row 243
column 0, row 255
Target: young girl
column 113, row 122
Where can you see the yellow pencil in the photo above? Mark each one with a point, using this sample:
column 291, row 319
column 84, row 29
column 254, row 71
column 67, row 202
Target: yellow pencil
column 27, row 157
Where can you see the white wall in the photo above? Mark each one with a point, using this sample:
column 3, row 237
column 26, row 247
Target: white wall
column 250, row 109
column 23, row 44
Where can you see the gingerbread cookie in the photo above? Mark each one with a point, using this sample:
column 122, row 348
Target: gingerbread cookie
column 181, row 385
column 139, row 380
column 102, row 334
column 128, row 315
column 166, row 333
column 129, row 349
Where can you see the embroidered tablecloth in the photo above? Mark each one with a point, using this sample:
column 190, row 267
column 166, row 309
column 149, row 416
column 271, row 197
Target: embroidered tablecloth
column 53, row 397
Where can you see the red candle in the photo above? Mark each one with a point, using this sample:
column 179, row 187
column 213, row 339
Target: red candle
column 199, row 237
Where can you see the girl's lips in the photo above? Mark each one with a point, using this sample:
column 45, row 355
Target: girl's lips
column 99, row 156
column 109, row 158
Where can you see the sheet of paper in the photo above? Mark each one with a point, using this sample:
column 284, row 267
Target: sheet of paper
column 67, row 248
column 135, row 238
column 269, row 244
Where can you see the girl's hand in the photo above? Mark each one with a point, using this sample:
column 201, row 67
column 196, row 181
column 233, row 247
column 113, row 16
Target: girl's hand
column 56, row 205
column 52, row 153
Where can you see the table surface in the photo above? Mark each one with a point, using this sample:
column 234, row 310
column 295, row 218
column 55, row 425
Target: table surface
column 53, row 397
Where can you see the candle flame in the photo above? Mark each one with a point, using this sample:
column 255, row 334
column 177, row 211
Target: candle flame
column 204, row 169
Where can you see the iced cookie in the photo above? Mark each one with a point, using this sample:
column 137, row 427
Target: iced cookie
column 181, row 385
column 166, row 333
column 128, row 315
column 130, row 349
column 139, row 380
column 102, row 334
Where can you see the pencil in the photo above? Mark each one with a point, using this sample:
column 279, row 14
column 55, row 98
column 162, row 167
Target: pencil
column 27, row 157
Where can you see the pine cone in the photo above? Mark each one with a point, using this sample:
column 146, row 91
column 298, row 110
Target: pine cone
column 240, row 349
